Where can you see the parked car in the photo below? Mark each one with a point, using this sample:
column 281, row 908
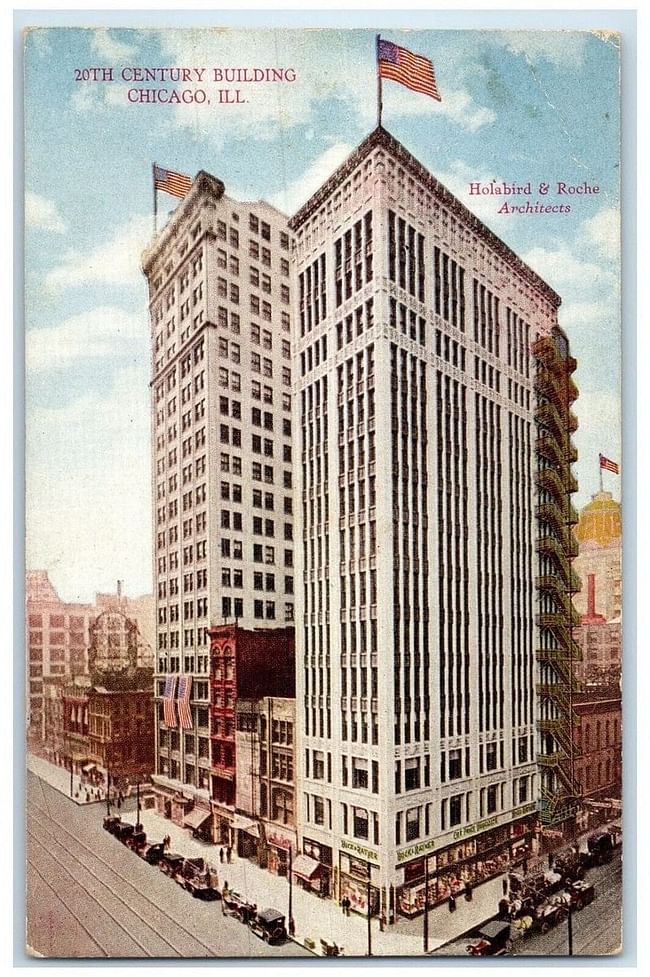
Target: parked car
column 549, row 914
column 491, row 940
column 124, row 831
column 171, row 863
column 111, row 824
column 200, row 878
column 153, row 853
column 580, row 894
column 269, row 925
column 136, row 841
column 600, row 847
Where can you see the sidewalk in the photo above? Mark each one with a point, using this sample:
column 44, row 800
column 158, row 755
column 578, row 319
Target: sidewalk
column 59, row 778
column 317, row 918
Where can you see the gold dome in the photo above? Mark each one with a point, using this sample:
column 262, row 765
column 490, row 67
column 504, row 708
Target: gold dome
column 600, row 520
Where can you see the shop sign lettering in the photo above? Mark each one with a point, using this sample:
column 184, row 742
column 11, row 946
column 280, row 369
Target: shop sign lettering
column 415, row 850
column 360, row 850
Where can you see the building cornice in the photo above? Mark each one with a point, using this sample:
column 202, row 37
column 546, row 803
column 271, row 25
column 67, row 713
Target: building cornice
column 203, row 185
column 380, row 137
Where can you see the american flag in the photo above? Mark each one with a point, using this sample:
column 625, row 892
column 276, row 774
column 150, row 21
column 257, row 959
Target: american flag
column 171, row 182
column 610, row 466
column 183, row 700
column 414, row 71
column 168, row 702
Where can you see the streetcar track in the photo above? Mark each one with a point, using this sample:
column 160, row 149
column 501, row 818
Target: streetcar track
column 94, row 898
column 67, row 908
column 212, row 951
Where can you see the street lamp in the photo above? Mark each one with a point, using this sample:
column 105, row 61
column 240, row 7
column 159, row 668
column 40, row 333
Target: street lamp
column 368, row 915
column 292, row 925
column 426, row 905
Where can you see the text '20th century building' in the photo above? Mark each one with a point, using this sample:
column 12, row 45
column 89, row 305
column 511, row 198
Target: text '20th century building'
column 418, row 423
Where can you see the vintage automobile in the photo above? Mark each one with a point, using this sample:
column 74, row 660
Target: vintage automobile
column 111, row 823
column 200, row 879
column 136, row 841
column 600, row 847
column 579, row 894
column 236, row 905
column 549, row 914
column 569, row 864
column 170, row 863
column 124, row 832
column 491, row 940
column 269, row 925
column 153, row 853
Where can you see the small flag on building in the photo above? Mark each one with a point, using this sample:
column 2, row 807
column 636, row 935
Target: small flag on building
column 610, row 466
column 413, row 70
column 169, row 711
column 183, row 700
column 177, row 184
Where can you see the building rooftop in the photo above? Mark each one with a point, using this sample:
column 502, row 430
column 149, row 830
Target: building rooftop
column 380, row 137
column 600, row 520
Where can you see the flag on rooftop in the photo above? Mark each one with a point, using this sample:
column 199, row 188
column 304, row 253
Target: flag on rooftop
column 413, row 70
column 169, row 181
column 610, row 466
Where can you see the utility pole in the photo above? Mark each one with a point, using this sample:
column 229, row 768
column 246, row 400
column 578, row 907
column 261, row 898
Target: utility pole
column 292, row 925
column 369, row 916
column 570, row 927
column 137, row 795
column 426, row 905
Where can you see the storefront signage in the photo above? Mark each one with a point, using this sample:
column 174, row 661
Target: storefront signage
column 366, row 853
column 406, row 853
column 472, row 829
column 519, row 812
column 280, row 841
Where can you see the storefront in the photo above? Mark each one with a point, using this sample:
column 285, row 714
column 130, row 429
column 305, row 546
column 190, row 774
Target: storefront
column 355, row 884
column 248, row 838
column 306, row 873
column 458, row 868
column 199, row 821
column 323, row 855
column 278, row 843
column 223, row 830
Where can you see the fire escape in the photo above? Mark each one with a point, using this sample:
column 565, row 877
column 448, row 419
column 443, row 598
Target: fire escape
column 557, row 581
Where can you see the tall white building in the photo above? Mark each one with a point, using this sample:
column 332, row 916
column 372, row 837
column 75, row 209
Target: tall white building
column 219, row 299
column 415, row 508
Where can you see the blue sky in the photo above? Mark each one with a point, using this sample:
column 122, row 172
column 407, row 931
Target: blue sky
column 517, row 106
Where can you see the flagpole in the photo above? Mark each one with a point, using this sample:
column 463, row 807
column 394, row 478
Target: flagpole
column 155, row 199
column 600, row 471
column 379, row 89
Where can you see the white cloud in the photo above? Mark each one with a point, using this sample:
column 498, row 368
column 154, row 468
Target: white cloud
column 295, row 194
column 88, row 499
column 561, row 48
column 100, row 333
column 603, row 230
column 561, row 268
column 116, row 262
column 105, row 44
column 43, row 213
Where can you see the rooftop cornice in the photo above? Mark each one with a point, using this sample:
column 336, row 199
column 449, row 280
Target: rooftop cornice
column 204, row 184
column 380, row 137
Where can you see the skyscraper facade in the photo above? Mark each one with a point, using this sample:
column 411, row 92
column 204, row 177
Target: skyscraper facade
column 219, row 298
column 416, row 518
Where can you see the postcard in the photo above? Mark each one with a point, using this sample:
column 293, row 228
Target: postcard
column 323, row 512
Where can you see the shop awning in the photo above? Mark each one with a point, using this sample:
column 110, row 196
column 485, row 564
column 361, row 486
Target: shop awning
column 89, row 767
column 246, row 825
column 305, row 867
column 196, row 818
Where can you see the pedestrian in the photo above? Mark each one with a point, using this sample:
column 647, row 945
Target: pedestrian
column 347, row 905
column 343, row 901
column 119, row 802
column 504, row 885
column 452, row 903
column 221, row 855
column 229, row 854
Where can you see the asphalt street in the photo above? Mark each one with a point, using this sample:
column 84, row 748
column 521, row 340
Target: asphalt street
column 89, row 896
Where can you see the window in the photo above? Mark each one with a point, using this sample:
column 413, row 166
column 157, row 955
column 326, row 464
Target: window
column 455, row 809
column 491, row 799
column 413, row 824
column 455, row 764
column 412, row 773
column 359, row 773
column 360, row 823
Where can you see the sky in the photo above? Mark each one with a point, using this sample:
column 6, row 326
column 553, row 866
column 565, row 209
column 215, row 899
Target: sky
column 519, row 106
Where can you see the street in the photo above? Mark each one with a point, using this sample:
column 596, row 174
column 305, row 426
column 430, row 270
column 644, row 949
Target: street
column 89, row 896
column 596, row 928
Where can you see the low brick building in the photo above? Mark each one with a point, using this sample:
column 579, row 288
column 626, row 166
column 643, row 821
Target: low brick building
column 599, row 744
column 121, row 731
